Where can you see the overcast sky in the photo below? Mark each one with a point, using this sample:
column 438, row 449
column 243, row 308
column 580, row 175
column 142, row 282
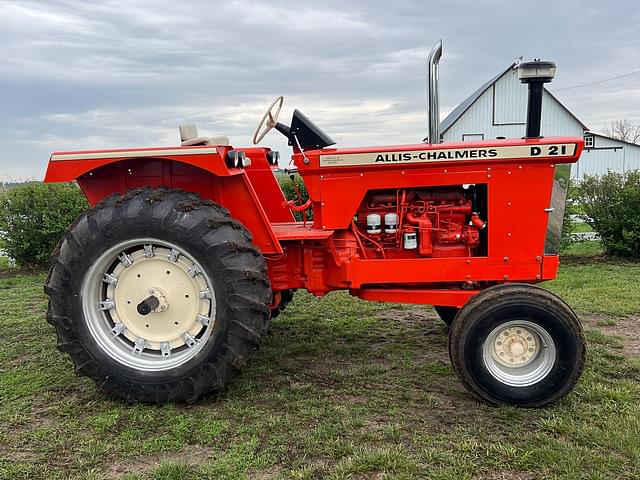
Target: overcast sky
column 89, row 75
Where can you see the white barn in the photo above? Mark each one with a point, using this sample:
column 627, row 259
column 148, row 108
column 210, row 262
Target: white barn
column 499, row 109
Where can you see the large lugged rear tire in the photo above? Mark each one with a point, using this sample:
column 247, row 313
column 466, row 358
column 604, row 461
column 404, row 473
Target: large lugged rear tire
column 517, row 344
column 158, row 296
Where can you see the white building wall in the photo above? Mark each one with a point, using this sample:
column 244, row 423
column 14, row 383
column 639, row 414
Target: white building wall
column 510, row 98
column 477, row 119
column 608, row 154
column 501, row 112
column 631, row 157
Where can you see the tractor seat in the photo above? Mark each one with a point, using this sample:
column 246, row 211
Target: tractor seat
column 189, row 137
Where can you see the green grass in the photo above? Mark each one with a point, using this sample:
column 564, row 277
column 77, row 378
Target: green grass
column 583, row 250
column 606, row 288
column 582, row 227
column 341, row 389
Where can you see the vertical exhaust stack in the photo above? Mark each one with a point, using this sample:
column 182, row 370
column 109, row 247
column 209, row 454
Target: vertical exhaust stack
column 536, row 74
column 433, row 108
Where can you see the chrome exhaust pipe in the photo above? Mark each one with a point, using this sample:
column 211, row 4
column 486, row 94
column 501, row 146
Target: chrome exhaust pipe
column 433, row 107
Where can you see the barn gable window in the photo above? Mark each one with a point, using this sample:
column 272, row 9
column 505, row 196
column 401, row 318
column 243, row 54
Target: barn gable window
column 589, row 141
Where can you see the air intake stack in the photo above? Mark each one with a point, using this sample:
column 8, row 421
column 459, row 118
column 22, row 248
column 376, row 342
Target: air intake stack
column 536, row 74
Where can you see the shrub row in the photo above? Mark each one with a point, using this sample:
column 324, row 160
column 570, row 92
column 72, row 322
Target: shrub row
column 611, row 206
column 34, row 216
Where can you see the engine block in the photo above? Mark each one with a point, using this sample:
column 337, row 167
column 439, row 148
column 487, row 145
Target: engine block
column 435, row 222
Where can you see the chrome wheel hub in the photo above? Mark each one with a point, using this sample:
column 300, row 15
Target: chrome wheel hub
column 148, row 304
column 519, row 353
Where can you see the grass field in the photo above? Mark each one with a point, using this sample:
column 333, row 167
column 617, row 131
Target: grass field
column 582, row 228
column 341, row 389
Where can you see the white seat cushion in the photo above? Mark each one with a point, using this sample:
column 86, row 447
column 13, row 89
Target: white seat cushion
column 188, row 131
column 219, row 140
column 189, row 137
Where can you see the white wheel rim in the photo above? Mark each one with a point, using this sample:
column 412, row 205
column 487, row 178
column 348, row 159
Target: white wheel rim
column 127, row 274
column 519, row 353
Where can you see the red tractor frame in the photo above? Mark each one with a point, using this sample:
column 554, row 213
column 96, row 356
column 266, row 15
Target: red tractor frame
column 163, row 290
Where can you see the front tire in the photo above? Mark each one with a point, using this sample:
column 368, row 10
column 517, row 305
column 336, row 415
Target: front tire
column 158, row 296
column 286, row 296
column 446, row 314
column 517, row 344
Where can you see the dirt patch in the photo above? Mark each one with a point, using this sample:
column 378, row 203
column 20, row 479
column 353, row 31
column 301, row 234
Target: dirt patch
column 267, row 474
column 23, row 358
column 41, row 418
column 192, row 455
column 7, row 272
column 370, row 476
column 427, row 326
column 507, row 475
column 628, row 329
column 19, row 456
column 414, row 315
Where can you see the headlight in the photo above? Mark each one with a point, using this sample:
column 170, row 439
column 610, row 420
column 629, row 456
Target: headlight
column 237, row 159
column 273, row 157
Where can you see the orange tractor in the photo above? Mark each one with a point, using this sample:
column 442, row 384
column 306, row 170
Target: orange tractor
column 163, row 290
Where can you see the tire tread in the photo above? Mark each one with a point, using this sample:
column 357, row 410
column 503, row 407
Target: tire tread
column 247, row 288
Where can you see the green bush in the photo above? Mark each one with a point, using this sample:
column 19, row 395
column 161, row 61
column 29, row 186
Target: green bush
column 34, row 216
column 568, row 227
column 287, row 185
column 611, row 206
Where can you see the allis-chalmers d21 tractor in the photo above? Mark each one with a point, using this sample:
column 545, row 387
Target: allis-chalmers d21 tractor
column 163, row 290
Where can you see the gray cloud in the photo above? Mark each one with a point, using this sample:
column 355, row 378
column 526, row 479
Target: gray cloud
column 78, row 75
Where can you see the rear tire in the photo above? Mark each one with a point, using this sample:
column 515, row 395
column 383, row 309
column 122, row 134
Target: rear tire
column 517, row 344
column 208, row 282
column 446, row 314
